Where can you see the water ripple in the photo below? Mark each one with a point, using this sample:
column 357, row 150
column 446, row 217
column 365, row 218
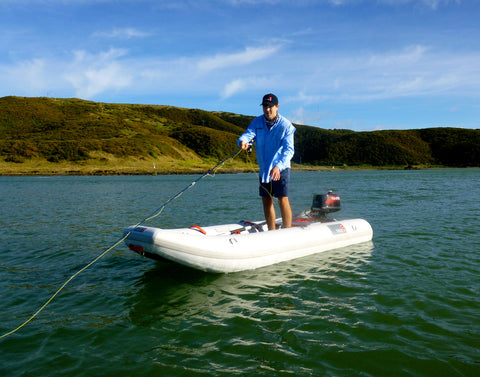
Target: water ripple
column 405, row 304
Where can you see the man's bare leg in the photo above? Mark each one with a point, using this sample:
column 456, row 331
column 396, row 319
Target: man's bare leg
column 269, row 211
column 286, row 211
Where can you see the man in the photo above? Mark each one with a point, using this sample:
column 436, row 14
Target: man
column 273, row 135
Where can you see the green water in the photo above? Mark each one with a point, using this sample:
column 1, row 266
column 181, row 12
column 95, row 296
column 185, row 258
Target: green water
column 406, row 304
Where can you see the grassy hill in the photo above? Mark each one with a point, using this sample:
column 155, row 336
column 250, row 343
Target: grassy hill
column 72, row 136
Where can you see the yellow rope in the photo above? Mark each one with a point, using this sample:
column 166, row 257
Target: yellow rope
column 153, row 215
column 269, row 191
column 64, row 285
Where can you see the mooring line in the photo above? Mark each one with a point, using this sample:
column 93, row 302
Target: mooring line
column 154, row 214
column 64, row 285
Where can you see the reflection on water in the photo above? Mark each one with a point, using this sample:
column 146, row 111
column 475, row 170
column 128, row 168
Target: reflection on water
column 273, row 313
column 170, row 290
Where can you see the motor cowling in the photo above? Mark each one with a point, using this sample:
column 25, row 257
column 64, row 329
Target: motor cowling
column 323, row 204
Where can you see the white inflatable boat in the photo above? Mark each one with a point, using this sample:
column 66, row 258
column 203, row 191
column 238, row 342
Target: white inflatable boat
column 249, row 245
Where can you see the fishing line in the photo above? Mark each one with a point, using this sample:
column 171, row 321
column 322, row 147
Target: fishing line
column 154, row 214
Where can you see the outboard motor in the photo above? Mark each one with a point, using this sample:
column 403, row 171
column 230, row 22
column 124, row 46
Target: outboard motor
column 323, row 204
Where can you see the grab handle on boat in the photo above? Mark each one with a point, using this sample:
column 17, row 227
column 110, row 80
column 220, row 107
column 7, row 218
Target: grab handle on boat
column 253, row 225
column 196, row 227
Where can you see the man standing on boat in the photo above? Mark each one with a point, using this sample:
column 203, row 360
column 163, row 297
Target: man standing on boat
column 273, row 135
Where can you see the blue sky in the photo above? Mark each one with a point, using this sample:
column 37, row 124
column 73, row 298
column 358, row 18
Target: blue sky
column 359, row 65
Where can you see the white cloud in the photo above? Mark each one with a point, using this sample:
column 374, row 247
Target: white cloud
column 31, row 76
column 91, row 74
column 301, row 115
column 413, row 71
column 123, row 33
column 249, row 55
column 243, row 84
column 432, row 4
column 316, row 76
column 185, row 4
column 233, row 87
column 86, row 74
column 408, row 55
column 305, row 99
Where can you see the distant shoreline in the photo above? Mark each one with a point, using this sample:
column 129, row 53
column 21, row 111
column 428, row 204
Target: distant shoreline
column 88, row 169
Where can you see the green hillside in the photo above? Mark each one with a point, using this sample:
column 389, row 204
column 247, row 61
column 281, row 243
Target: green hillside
column 42, row 135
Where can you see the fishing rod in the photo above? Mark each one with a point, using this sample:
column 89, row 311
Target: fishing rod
column 154, row 214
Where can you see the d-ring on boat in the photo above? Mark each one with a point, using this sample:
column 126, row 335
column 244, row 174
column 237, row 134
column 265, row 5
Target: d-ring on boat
column 248, row 245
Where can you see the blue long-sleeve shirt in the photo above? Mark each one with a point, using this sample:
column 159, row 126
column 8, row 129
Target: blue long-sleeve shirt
column 274, row 146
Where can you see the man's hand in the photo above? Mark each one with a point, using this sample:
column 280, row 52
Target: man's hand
column 275, row 173
column 244, row 145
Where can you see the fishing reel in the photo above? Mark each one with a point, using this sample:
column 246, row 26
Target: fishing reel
column 250, row 146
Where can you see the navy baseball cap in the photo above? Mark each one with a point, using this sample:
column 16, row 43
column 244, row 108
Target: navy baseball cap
column 269, row 100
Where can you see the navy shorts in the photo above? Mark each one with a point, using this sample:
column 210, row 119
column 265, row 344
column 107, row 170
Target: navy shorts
column 278, row 188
